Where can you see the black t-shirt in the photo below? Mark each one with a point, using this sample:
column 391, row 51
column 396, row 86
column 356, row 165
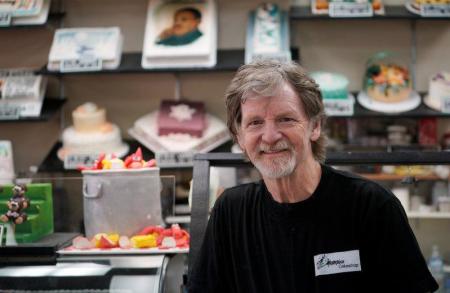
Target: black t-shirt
column 350, row 235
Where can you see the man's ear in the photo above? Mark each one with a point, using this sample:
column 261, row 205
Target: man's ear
column 316, row 130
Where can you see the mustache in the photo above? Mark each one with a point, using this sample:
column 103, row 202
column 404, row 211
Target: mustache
column 279, row 146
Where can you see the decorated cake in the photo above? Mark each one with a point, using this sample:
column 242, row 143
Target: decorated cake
column 332, row 85
column 180, row 126
column 91, row 134
column 387, row 82
column 439, row 90
column 181, row 117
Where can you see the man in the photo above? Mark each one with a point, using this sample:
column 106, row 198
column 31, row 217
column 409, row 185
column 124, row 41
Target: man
column 305, row 227
column 184, row 30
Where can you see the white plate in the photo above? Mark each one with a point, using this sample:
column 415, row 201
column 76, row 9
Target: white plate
column 410, row 7
column 96, row 251
column 411, row 103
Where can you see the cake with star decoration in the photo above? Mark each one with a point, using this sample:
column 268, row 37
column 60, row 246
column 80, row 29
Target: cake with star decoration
column 180, row 127
column 183, row 117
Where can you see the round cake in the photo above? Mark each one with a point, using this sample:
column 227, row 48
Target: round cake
column 439, row 90
column 387, row 83
column 91, row 134
column 332, row 85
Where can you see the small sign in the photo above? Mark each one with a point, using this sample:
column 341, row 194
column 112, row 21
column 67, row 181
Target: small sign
column 350, row 9
column 446, row 104
column 174, row 159
column 74, row 161
column 338, row 107
column 8, row 112
column 5, row 18
column 435, row 10
column 82, row 64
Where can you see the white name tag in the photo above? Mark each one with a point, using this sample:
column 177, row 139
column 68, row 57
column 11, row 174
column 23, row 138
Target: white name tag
column 74, row 161
column 172, row 159
column 337, row 262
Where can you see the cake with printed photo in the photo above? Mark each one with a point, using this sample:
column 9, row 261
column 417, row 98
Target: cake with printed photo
column 91, row 134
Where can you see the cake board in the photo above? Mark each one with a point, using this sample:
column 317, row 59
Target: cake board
column 410, row 104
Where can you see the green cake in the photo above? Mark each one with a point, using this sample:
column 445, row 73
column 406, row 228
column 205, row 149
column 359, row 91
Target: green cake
column 332, row 85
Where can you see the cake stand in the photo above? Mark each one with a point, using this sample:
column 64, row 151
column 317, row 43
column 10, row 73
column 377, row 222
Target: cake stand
column 409, row 104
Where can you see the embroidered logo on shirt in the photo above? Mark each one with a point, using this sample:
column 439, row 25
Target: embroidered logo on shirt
column 337, row 262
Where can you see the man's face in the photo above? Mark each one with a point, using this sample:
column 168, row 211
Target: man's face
column 184, row 22
column 275, row 133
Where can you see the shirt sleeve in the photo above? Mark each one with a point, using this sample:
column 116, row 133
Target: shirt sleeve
column 399, row 263
column 205, row 274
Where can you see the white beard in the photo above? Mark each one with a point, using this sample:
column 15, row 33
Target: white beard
column 281, row 167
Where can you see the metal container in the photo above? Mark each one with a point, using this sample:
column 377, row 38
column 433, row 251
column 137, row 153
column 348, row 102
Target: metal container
column 121, row 201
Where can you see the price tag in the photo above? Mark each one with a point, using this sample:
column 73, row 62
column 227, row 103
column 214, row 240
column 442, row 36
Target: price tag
column 8, row 112
column 338, row 107
column 350, row 9
column 73, row 161
column 171, row 159
column 446, row 104
column 435, row 10
column 82, row 64
column 5, row 18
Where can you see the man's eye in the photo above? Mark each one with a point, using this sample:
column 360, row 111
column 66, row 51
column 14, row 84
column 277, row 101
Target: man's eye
column 254, row 123
column 286, row 119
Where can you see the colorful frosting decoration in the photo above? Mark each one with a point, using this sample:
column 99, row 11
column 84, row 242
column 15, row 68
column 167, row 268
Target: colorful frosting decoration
column 386, row 81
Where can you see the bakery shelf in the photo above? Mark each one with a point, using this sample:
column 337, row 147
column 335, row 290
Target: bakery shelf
column 391, row 12
column 428, row 215
column 346, row 158
column 395, row 177
column 227, row 60
column 411, row 215
column 49, row 108
column 422, row 111
column 52, row 163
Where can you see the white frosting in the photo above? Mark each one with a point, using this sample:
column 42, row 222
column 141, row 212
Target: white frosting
column 181, row 112
column 146, row 127
column 439, row 89
column 92, row 142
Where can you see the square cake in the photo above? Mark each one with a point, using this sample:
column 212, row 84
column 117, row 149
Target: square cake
column 181, row 117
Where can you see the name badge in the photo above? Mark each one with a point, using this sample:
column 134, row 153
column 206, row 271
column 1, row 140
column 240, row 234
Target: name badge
column 337, row 262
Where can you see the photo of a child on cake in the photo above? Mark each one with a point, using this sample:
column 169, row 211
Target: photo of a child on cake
column 184, row 27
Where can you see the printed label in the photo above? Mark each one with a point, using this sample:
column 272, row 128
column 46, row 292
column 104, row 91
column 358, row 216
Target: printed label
column 350, row 9
column 337, row 262
column 81, row 64
column 435, row 10
column 5, row 18
column 8, row 112
column 74, row 161
column 172, row 159
column 446, row 105
column 338, row 107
